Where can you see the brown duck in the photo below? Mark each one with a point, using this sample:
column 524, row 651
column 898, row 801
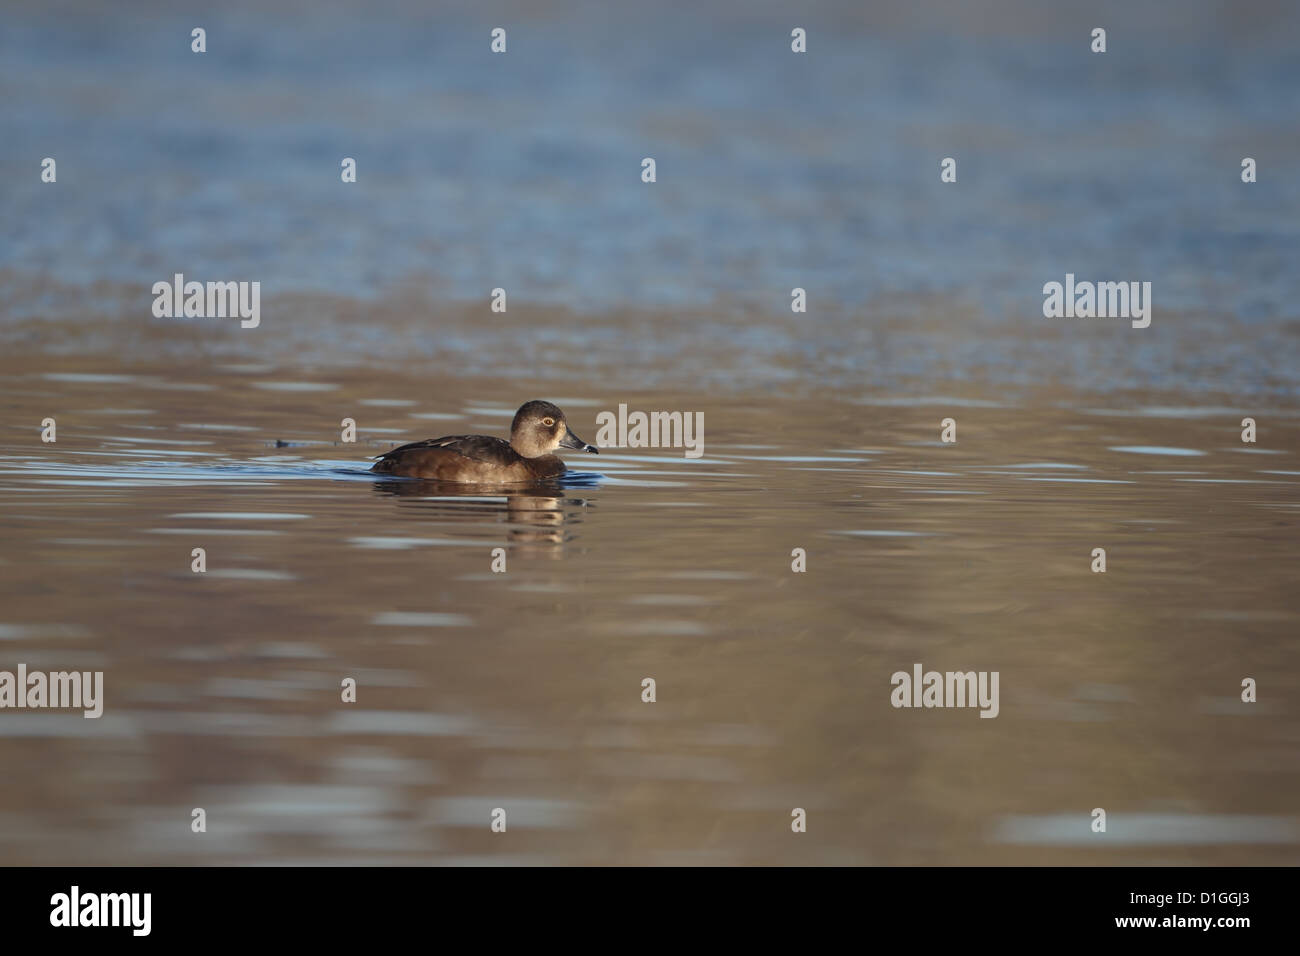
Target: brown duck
column 538, row 429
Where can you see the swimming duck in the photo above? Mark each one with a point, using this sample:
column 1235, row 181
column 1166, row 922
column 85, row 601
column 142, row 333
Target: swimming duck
column 538, row 429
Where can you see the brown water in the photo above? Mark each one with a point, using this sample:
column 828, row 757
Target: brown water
column 522, row 689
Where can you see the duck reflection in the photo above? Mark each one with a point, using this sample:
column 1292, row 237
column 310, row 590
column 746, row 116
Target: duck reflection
column 539, row 515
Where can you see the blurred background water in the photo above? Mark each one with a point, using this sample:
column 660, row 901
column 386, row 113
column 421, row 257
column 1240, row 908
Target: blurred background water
column 775, row 170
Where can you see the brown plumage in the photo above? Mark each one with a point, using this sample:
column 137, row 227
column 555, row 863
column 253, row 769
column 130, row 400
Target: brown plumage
column 537, row 430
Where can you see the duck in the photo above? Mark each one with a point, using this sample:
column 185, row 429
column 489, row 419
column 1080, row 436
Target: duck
column 538, row 429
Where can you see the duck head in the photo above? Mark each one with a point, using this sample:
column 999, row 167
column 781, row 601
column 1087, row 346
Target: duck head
column 540, row 428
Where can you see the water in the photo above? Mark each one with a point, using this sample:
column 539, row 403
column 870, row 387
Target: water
column 775, row 171
column 522, row 689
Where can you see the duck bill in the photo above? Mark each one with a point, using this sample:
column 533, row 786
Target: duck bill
column 571, row 440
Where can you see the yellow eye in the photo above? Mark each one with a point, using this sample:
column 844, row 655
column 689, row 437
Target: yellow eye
column 548, row 422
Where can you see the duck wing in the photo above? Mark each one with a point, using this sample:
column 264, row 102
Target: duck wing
column 484, row 448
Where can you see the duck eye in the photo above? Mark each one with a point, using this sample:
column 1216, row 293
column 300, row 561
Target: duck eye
column 548, row 422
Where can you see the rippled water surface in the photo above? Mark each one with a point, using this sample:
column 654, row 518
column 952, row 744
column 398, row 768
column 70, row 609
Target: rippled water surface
column 776, row 171
column 522, row 689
